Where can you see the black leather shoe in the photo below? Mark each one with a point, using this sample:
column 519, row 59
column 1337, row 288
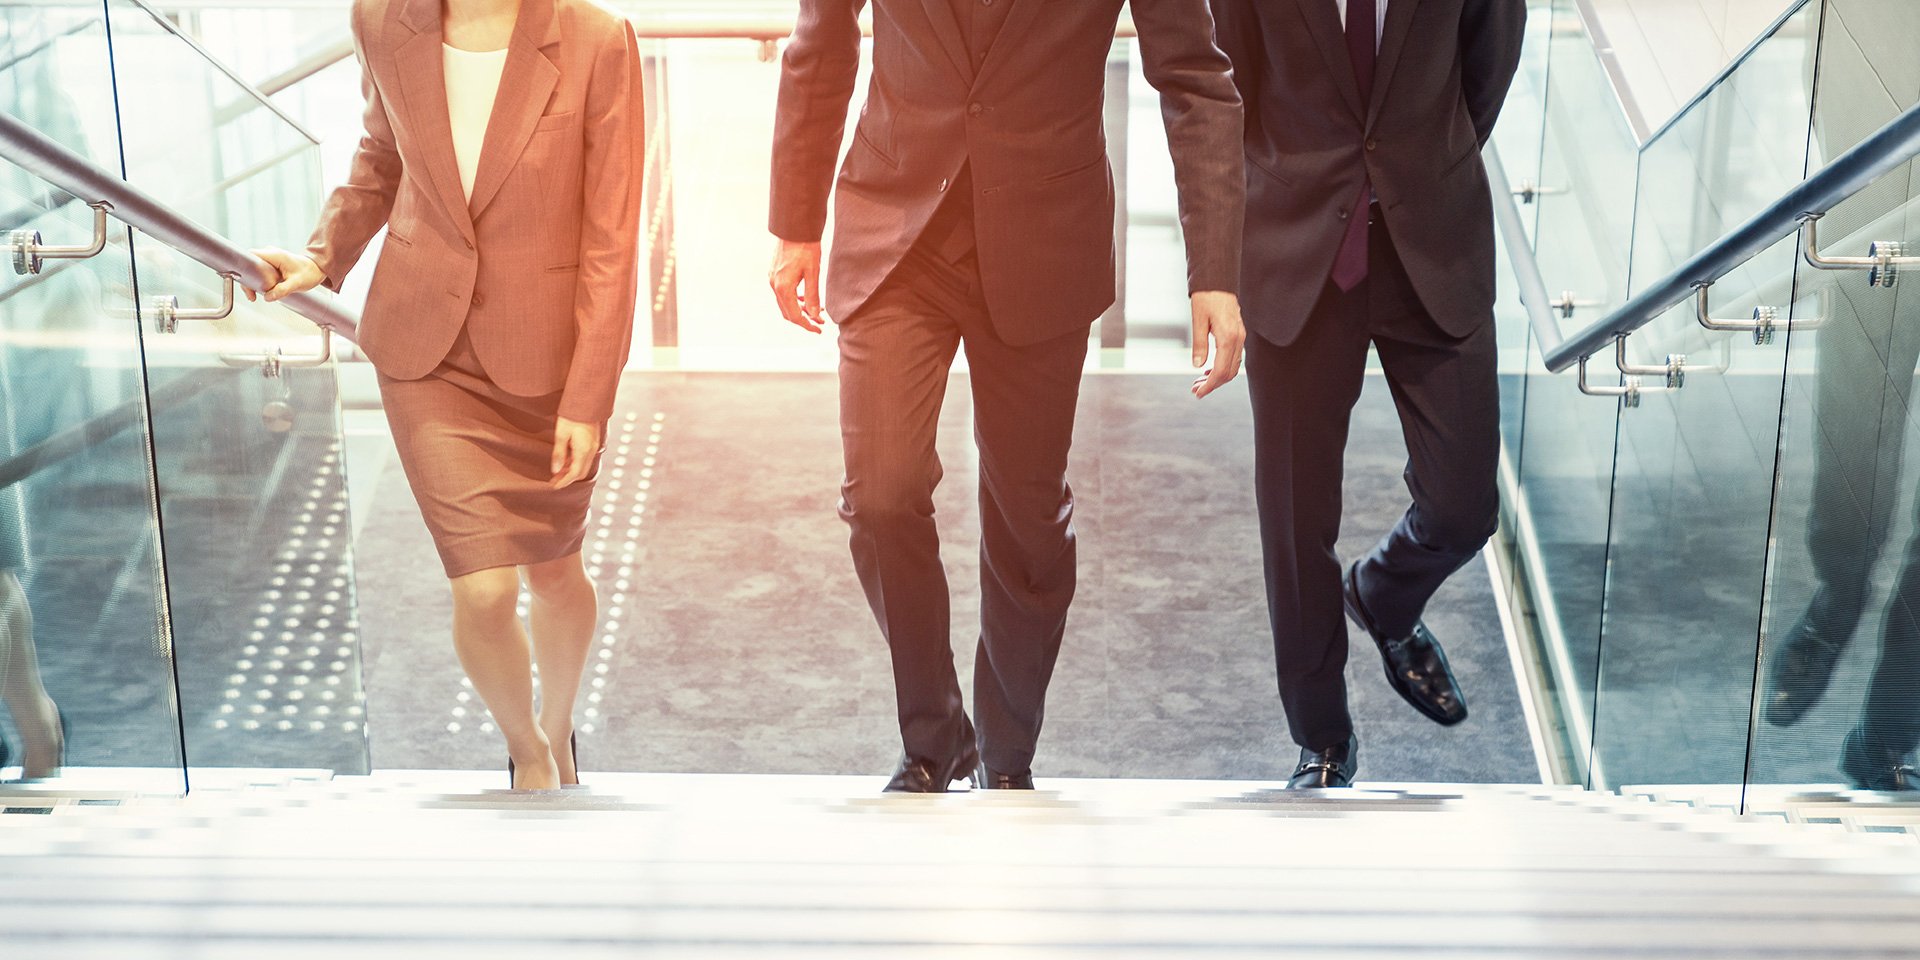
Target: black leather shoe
column 987, row 778
column 1332, row 767
column 1798, row 676
column 1416, row 665
column 919, row 775
column 1875, row 768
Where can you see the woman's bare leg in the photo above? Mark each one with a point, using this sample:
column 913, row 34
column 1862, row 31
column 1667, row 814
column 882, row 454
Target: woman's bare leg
column 26, row 698
column 564, row 612
column 493, row 648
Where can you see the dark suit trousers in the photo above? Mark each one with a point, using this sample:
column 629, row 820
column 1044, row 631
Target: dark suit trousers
column 895, row 354
column 1303, row 396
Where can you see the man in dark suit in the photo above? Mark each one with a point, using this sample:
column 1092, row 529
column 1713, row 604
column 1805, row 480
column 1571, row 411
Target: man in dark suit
column 976, row 210
column 1369, row 221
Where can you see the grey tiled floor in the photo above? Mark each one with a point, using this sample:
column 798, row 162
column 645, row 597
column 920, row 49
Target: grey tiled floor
column 745, row 644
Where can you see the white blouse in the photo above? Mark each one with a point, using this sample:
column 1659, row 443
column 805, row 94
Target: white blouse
column 473, row 80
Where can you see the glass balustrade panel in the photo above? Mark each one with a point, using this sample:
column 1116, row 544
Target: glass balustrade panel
column 252, row 478
column 1693, row 477
column 1565, row 461
column 86, row 657
column 1840, row 663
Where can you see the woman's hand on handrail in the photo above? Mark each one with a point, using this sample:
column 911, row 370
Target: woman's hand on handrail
column 293, row 273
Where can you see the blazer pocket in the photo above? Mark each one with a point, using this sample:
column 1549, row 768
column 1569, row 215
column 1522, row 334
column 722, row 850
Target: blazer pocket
column 563, row 268
column 1074, row 171
column 860, row 136
column 554, row 121
column 397, row 239
column 1269, row 171
column 1453, row 166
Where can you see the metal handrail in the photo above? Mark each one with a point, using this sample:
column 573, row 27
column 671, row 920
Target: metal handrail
column 1526, row 267
column 1889, row 148
column 1616, row 74
column 40, row 156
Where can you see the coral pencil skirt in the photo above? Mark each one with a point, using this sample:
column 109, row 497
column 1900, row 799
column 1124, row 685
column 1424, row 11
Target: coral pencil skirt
column 479, row 461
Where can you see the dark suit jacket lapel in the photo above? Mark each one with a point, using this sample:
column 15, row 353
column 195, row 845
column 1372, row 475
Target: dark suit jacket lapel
column 525, row 84
column 423, row 89
column 1392, row 43
column 947, row 31
column 1329, row 36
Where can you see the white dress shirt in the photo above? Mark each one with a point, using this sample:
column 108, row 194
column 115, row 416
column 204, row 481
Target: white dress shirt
column 473, row 80
column 1380, row 14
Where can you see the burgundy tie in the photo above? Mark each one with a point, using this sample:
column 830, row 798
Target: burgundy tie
column 1350, row 264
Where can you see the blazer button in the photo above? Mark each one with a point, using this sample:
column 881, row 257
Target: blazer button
column 479, row 299
column 469, row 244
column 1342, row 213
column 1372, row 143
column 944, row 184
column 976, row 109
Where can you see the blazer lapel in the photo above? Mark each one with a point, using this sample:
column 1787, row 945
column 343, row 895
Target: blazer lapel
column 1392, row 43
column 947, row 31
column 525, row 84
column 1329, row 36
column 423, row 90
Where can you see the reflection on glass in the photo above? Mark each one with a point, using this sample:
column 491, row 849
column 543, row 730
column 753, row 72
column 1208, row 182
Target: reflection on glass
column 1841, row 664
column 88, row 677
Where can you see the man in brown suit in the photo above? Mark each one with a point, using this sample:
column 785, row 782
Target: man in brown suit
column 976, row 209
column 1369, row 223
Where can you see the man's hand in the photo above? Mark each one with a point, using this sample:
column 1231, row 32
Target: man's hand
column 1216, row 314
column 575, row 445
column 297, row 273
column 795, row 279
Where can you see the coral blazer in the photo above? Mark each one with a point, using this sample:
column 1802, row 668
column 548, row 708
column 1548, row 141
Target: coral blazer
column 541, row 266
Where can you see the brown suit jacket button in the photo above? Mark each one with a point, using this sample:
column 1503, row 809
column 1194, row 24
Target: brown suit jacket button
column 479, row 299
column 976, row 109
column 1372, row 143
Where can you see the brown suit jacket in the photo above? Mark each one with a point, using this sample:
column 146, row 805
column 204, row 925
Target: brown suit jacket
column 542, row 266
column 1029, row 122
column 1442, row 74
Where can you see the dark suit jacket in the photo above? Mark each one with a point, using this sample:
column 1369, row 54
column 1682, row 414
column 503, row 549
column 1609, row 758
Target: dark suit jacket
column 1443, row 71
column 1030, row 123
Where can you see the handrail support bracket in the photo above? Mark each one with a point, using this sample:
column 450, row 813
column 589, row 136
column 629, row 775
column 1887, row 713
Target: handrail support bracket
column 30, row 253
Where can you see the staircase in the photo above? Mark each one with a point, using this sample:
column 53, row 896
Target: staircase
column 445, row 864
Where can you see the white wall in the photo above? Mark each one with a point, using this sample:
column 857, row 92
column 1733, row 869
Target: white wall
column 1670, row 49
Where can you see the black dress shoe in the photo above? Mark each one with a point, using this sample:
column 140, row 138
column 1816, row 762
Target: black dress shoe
column 987, row 778
column 1416, row 666
column 1876, row 768
column 1332, row 767
column 920, row 775
column 1800, row 672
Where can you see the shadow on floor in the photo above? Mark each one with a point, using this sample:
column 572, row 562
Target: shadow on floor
column 741, row 642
